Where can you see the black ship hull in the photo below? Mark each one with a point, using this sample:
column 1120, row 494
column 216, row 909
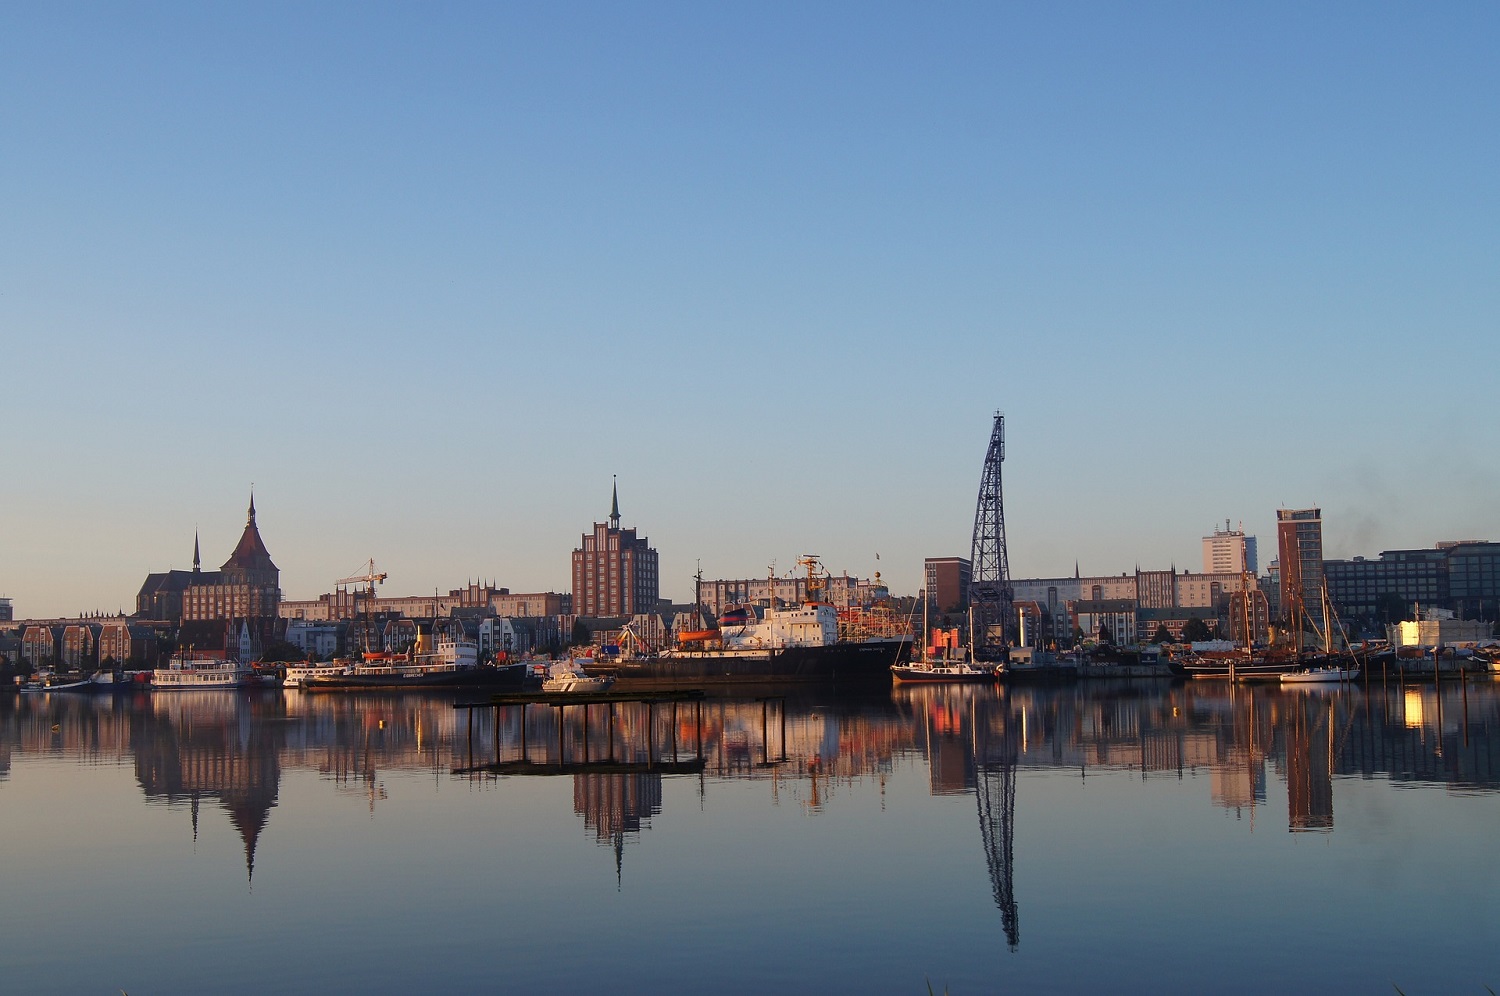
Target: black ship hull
column 841, row 662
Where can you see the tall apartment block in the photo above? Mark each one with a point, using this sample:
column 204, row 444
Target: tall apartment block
column 614, row 571
column 1229, row 551
column 1299, row 545
column 947, row 583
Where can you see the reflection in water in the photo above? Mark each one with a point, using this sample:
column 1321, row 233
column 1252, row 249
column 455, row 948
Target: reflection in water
column 233, row 748
column 200, row 744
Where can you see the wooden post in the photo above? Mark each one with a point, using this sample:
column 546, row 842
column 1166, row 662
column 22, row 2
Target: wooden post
column 782, row 705
column 1464, row 684
column 765, row 739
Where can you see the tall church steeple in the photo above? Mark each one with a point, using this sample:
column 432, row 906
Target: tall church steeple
column 614, row 507
column 197, row 560
column 250, row 519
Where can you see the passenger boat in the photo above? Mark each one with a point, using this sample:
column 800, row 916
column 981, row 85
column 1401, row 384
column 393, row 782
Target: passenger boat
column 188, row 672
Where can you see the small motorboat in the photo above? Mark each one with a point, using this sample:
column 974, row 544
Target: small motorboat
column 569, row 676
column 1317, row 675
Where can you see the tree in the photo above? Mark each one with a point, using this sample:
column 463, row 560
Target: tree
column 1195, row 631
column 1162, row 634
column 581, row 634
column 1105, row 636
column 280, row 651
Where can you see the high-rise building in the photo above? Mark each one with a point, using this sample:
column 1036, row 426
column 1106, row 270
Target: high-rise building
column 1299, row 547
column 947, row 583
column 614, row 571
column 1229, row 551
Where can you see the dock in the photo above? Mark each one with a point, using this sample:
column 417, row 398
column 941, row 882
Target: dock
column 583, row 759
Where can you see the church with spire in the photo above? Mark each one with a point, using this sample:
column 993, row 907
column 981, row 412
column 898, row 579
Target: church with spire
column 614, row 570
column 239, row 601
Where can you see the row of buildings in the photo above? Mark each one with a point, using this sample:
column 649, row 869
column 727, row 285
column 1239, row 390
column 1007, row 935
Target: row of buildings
column 238, row 609
column 1366, row 594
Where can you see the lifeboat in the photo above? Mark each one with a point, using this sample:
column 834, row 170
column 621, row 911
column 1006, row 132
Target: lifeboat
column 697, row 635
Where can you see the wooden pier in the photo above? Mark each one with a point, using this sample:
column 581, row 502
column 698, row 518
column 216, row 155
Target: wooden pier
column 669, row 763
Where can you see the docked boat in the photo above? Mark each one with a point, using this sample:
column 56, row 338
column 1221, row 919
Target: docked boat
column 299, row 673
column 1320, row 675
column 945, row 667
column 569, row 676
column 187, row 672
column 383, row 671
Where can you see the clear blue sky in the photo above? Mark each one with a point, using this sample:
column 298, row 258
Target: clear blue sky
column 429, row 274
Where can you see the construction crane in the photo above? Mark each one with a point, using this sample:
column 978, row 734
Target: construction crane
column 347, row 602
column 370, row 578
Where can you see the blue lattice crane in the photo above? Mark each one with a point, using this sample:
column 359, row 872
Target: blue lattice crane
column 991, row 597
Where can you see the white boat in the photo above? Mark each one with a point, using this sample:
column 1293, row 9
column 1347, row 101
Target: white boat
column 568, row 676
column 187, row 672
column 297, row 675
column 1318, row 675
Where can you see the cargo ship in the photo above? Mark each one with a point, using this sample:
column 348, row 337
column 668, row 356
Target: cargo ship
column 770, row 644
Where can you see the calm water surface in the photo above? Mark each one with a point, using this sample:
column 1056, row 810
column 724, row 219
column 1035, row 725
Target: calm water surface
column 1150, row 837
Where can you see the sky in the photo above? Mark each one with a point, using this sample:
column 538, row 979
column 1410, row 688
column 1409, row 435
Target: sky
column 433, row 277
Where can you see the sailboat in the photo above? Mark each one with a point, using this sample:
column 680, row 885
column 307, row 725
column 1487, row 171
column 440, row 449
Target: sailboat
column 1331, row 668
column 943, row 668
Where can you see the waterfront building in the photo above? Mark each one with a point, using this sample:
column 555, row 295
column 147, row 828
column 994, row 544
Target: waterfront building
column 1156, row 589
column 1299, row 548
column 41, row 645
column 1473, row 578
column 348, row 604
column 1174, row 618
column 79, row 643
column 245, row 588
column 842, row 591
column 1462, row 576
column 122, row 640
column 947, row 583
column 1229, row 551
column 1111, row 620
column 614, row 571
column 320, row 637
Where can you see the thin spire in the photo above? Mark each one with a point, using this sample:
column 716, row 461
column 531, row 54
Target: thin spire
column 614, row 505
column 251, row 519
column 197, row 560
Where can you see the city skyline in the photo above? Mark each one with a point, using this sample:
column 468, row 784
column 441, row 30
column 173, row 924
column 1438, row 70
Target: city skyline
column 427, row 279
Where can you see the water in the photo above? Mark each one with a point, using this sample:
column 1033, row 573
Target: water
column 1148, row 837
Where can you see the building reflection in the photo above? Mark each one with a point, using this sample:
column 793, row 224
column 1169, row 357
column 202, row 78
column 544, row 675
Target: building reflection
column 236, row 750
